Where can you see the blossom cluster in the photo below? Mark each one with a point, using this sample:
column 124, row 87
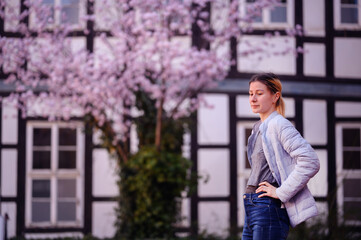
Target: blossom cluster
column 146, row 46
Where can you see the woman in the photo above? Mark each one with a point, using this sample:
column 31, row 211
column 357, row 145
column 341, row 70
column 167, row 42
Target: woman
column 282, row 163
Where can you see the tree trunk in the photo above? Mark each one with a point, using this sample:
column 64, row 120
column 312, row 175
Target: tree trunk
column 158, row 128
column 109, row 134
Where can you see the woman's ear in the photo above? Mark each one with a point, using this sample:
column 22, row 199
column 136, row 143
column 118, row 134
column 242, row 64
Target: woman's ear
column 276, row 96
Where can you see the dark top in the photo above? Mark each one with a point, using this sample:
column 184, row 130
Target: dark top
column 260, row 170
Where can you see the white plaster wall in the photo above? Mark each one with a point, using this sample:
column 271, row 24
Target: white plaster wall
column 97, row 137
column 9, row 172
column 77, row 44
column 266, row 60
column 347, row 57
column 67, row 235
column 214, row 218
column 185, row 212
column 9, row 123
column 2, row 227
column 290, row 107
column 8, row 64
column 314, row 17
column 38, row 108
column 314, row 59
column 186, row 147
column 104, row 174
column 348, row 109
column 223, row 52
column 184, row 43
column 105, row 15
column 134, row 141
column 318, row 185
column 243, row 108
column 219, row 17
column 315, row 121
column 214, row 165
column 213, row 123
column 12, row 11
column 219, row 14
column 102, row 50
column 103, row 220
column 10, row 209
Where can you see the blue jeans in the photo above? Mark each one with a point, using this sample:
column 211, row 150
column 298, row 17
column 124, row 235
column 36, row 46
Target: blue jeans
column 264, row 219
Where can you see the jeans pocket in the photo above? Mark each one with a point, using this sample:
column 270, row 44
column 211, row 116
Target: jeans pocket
column 263, row 202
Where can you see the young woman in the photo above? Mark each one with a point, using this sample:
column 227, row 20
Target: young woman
column 282, row 163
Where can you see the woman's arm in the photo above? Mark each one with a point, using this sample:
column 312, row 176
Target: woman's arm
column 307, row 163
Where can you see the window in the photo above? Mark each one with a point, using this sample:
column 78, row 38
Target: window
column 61, row 12
column 349, row 172
column 347, row 14
column 349, row 11
column 244, row 130
column 279, row 16
column 55, row 156
column 247, row 134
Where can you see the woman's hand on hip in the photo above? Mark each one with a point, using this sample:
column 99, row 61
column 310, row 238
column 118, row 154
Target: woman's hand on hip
column 268, row 189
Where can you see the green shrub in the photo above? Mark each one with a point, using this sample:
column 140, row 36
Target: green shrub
column 150, row 193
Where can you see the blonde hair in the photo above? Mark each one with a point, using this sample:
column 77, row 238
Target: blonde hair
column 274, row 84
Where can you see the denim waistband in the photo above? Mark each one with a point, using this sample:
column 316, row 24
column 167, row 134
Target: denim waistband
column 253, row 197
column 252, row 189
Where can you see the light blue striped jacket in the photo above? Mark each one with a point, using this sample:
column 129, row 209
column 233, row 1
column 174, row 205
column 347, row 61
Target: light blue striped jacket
column 292, row 162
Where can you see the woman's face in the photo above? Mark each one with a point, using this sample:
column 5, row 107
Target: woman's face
column 261, row 99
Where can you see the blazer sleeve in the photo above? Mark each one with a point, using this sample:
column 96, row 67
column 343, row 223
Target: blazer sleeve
column 307, row 163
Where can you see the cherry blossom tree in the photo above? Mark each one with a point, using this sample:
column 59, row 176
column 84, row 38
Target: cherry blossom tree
column 143, row 55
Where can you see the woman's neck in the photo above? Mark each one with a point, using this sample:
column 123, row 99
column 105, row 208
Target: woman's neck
column 264, row 116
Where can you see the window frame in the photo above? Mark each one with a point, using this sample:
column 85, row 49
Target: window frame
column 54, row 174
column 57, row 17
column 266, row 16
column 337, row 17
column 344, row 173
